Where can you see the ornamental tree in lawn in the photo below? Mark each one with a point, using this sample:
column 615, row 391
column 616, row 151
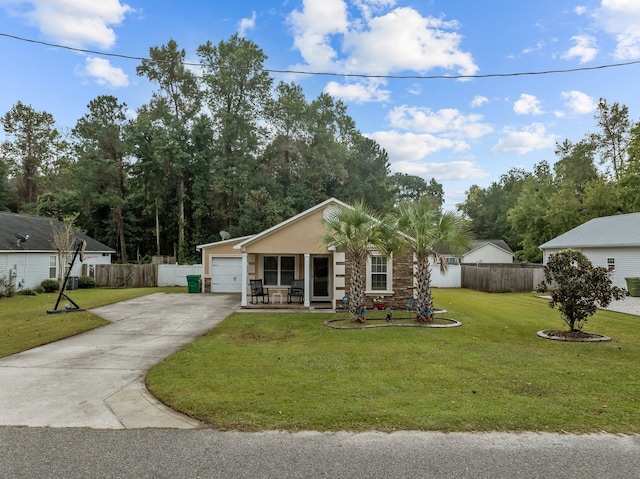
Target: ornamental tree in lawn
column 577, row 287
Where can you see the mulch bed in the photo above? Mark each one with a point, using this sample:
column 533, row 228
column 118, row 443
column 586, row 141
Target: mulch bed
column 572, row 336
column 395, row 322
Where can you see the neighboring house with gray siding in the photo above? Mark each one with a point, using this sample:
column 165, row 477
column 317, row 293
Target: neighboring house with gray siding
column 610, row 241
column 27, row 261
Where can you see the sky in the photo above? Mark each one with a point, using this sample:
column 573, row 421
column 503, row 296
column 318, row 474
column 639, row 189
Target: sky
column 417, row 76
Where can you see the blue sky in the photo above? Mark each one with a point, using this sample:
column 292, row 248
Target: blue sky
column 460, row 132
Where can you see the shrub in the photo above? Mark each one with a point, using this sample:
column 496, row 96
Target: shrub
column 86, row 282
column 50, row 285
column 6, row 287
column 28, row 292
column 579, row 287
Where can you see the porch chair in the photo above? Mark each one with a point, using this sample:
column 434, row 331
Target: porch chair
column 258, row 291
column 296, row 289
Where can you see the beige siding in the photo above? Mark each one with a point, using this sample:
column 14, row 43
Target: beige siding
column 298, row 237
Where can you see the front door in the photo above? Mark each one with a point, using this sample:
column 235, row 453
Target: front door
column 321, row 279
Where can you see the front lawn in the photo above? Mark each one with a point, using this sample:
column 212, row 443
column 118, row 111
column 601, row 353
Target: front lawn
column 25, row 324
column 289, row 372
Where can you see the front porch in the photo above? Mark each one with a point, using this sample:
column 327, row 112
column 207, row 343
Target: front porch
column 271, row 306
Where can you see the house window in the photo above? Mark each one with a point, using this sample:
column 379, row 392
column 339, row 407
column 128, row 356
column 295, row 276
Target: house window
column 279, row 270
column 452, row 260
column 53, row 267
column 611, row 264
column 378, row 273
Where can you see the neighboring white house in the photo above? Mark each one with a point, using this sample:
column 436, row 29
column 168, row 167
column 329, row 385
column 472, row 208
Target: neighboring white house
column 27, row 256
column 611, row 241
column 481, row 251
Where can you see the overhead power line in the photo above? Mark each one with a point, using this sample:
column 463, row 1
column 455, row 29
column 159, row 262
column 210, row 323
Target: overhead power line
column 349, row 75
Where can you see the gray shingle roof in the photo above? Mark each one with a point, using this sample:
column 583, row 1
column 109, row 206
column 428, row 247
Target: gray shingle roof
column 475, row 244
column 40, row 231
column 608, row 231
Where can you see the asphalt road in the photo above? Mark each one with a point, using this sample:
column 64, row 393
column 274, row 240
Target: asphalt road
column 170, row 453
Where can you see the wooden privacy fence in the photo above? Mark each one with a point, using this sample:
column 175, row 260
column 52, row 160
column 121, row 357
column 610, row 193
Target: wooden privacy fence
column 501, row 278
column 126, row 275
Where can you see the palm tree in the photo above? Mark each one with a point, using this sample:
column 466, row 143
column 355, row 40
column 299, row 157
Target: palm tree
column 427, row 228
column 355, row 231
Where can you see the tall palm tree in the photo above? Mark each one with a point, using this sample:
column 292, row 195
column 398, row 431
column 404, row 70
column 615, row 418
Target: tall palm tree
column 355, row 231
column 427, row 228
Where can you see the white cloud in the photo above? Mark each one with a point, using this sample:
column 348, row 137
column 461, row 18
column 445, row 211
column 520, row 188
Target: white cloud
column 104, row 73
column 409, row 146
column 539, row 46
column 313, row 28
column 584, row 50
column 453, row 170
column 247, row 24
column 360, row 92
column 369, row 7
column 527, row 105
column 75, row 23
column 621, row 18
column 579, row 103
column 478, row 101
column 532, row 137
column 405, row 40
column 376, row 43
column 448, row 122
column 580, row 10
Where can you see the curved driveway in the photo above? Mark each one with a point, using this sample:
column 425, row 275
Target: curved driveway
column 96, row 379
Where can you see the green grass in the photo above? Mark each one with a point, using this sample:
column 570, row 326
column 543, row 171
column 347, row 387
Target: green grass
column 289, row 372
column 25, row 323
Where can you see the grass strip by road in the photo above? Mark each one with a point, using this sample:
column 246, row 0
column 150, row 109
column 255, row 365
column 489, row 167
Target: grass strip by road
column 289, row 372
column 25, row 323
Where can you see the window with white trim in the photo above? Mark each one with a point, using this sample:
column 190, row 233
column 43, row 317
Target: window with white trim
column 379, row 273
column 611, row 264
column 53, row 267
column 279, row 270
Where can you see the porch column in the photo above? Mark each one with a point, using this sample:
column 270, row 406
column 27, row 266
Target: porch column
column 307, row 280
column 245, row 279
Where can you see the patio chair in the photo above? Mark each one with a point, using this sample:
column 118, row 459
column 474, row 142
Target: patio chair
column 258, row 291
column 296, row 289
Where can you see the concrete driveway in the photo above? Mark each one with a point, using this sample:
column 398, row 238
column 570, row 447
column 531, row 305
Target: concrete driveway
column 96, row 379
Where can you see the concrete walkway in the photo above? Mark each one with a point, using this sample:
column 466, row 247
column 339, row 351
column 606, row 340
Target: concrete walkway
column 96, row 379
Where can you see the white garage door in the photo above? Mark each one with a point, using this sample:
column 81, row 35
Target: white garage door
column 226, row 275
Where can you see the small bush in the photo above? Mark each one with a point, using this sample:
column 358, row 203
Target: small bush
column 50, row 285
column 6, row 287
column 28, row 292
column 86, row 282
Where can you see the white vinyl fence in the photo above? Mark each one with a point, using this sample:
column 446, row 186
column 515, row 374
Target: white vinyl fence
column 451, row 278
column 176, row 274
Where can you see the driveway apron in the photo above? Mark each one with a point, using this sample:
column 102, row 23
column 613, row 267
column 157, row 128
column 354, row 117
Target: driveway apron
column 96, row 379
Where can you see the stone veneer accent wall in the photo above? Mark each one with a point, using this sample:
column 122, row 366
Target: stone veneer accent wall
column 402, row 283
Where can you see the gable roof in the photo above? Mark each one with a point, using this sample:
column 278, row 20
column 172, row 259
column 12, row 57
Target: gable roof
column 477, row 244
column 607, row 231
column 40, row 231
column 293, row 219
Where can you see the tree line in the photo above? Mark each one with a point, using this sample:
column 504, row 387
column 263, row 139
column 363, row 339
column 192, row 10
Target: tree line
column 225, row 148
column 596, row 176
column 228, row 148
